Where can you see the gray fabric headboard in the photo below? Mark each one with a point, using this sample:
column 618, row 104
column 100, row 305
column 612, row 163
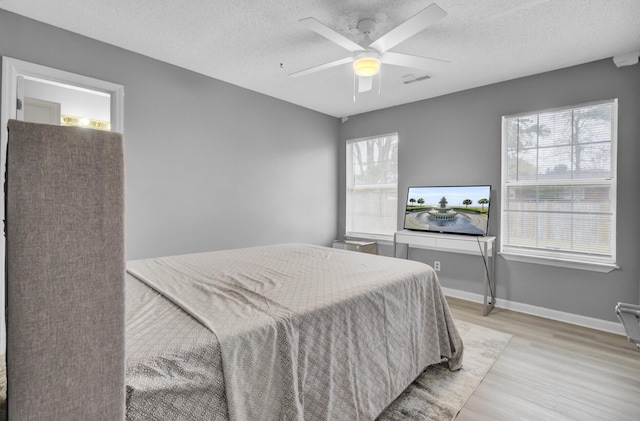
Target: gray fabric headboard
column 65, row 273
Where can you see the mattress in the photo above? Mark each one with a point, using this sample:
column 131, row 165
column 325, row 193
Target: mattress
column 284, row 332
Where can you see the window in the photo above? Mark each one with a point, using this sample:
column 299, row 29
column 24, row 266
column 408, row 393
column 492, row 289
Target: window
column 559, row 185
column 372, row 187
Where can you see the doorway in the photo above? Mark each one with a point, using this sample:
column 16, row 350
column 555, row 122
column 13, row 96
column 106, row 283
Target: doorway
column 31, row 92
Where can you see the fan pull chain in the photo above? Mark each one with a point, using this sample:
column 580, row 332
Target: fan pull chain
column 354, row 86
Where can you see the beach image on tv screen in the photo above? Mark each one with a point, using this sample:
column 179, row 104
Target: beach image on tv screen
column 455, row 210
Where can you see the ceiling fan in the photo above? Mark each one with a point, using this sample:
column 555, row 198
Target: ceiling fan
column 367, row 60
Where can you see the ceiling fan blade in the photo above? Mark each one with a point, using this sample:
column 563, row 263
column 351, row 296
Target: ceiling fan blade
column 330, row 34
column 322, row 67
column 417, row 23
column 365, row 84
column 416, row 62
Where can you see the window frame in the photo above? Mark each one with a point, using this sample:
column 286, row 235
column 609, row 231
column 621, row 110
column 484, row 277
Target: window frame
column 565, row 259
column 349, row 233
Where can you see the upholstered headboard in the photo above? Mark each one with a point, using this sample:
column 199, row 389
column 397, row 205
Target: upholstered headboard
column 65, row 273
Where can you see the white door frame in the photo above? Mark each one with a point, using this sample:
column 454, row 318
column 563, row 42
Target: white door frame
column 11, row 70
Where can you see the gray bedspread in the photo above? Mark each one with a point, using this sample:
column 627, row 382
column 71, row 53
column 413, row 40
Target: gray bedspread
column 173, row 365
column 300, row 333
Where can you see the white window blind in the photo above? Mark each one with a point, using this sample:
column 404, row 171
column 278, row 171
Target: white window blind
column 559, row 183
column 372, row 187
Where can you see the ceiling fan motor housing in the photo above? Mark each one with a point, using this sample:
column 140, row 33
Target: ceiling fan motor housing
column 366, row 27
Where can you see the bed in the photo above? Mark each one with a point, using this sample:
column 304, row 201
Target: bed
column 285, row 332
column 290, row 331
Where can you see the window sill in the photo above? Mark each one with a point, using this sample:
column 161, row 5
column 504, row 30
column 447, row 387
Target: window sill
column 563, row 263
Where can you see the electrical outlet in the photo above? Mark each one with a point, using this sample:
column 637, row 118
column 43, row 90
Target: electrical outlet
column 436, row 265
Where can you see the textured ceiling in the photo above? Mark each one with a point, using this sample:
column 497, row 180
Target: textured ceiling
column 256, row 44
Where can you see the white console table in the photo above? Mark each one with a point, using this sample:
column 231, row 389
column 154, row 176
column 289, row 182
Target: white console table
column 452, row 243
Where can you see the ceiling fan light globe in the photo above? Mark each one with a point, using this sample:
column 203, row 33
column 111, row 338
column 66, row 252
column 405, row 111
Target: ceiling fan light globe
column 366, row 66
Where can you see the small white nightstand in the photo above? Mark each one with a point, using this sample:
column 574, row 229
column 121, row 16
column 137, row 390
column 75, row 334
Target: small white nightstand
column 370, row 247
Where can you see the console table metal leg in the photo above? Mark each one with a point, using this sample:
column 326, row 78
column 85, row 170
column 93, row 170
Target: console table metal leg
column 489, row 286
column 493, row 281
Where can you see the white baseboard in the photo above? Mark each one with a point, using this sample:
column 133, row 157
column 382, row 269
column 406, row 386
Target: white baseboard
column 561, row 316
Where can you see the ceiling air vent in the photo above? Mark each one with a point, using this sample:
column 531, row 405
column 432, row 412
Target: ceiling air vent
column 410, row 78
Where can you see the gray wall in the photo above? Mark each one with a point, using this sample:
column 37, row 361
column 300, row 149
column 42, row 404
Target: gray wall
column 209, row 165
column 455, row 139
column 213, row 166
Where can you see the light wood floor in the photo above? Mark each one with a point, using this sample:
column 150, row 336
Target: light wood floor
column 553, row 371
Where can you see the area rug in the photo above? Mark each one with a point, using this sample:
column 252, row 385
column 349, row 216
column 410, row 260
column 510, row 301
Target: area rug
column 438, row 393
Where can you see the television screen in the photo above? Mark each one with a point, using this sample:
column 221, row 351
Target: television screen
column 453, row 209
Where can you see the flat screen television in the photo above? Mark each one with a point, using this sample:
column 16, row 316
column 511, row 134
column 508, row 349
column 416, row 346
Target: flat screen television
column 451, row 209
